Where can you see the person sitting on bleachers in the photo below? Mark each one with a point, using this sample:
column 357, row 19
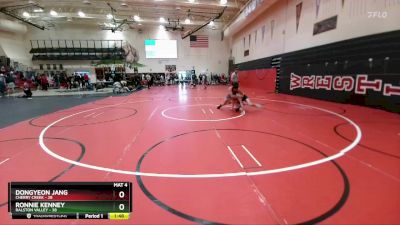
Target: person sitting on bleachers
column 119, row 88
column 124, row 86
column 100, row 84
column 223, row 79
column 27, row 91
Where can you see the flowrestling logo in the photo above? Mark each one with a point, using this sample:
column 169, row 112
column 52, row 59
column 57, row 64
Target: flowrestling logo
column 359, row 84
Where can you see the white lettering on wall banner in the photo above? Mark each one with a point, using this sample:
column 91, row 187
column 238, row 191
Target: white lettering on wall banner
column 343, row 83
column 323, row 82
column 389, row 90
column 360, row 84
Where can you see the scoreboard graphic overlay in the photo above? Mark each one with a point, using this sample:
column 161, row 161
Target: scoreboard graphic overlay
column 70, row 200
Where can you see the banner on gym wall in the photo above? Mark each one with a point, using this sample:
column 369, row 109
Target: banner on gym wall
column 358, row 84
column 365, row 89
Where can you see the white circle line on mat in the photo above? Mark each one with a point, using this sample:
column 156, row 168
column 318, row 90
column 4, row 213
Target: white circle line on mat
column 210, row 175
column 164, row 114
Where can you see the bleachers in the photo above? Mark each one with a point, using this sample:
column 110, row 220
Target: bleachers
column 76, row 49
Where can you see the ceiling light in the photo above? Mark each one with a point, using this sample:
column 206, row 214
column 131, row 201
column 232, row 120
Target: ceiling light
column 53, row 13
column 124, row 4
column 81, row 14
column 211, row 23
column 136, row 18
column 109, row 16
column 26, row 14
column 162, row 20
column 191, row 1
column 69, row 19
column 140, row 24
column 87, row 2
column 223, row 2
column 187, row 21
column 38, row 10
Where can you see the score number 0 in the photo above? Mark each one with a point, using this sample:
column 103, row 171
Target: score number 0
column 121, row 194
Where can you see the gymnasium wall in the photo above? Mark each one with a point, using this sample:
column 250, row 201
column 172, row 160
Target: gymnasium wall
column 284, row 28
column 13, row 46
column 362, row 71
column 356, row 63
column 214, row 58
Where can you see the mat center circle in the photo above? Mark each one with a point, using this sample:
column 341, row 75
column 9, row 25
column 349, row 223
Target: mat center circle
column 200, row 113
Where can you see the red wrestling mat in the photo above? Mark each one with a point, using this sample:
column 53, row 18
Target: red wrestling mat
column 268, row 166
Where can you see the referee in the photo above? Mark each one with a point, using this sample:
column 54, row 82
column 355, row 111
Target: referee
column 235, row 78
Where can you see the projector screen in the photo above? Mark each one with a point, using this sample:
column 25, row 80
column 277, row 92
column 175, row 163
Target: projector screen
column 161, row 49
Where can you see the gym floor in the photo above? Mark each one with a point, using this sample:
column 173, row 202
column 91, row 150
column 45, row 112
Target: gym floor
column 294, row 161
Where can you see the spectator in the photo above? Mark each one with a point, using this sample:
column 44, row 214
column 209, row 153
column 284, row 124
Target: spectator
column 162, row 81
column 117, row 77
column 124, row 87
column 86, row 80
column 10, row 83
column 44, row 82
column 57, row 80
column 204, row 80
column 223, row 79
column 167, row 78
column 33, row 80
column 3, row 70
column 39, row 81
column 100, row 84
column 69, row 82
column 119, row 88
column 193, row 82
column 63, row 80
column 137, row 81
column 149, row 80
column 2, row 85
column 27, row 91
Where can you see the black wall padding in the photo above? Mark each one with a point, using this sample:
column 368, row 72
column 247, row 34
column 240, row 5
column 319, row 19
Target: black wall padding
column 345, row 58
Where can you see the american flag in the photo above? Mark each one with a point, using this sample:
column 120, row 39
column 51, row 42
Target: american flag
column 198, row 41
